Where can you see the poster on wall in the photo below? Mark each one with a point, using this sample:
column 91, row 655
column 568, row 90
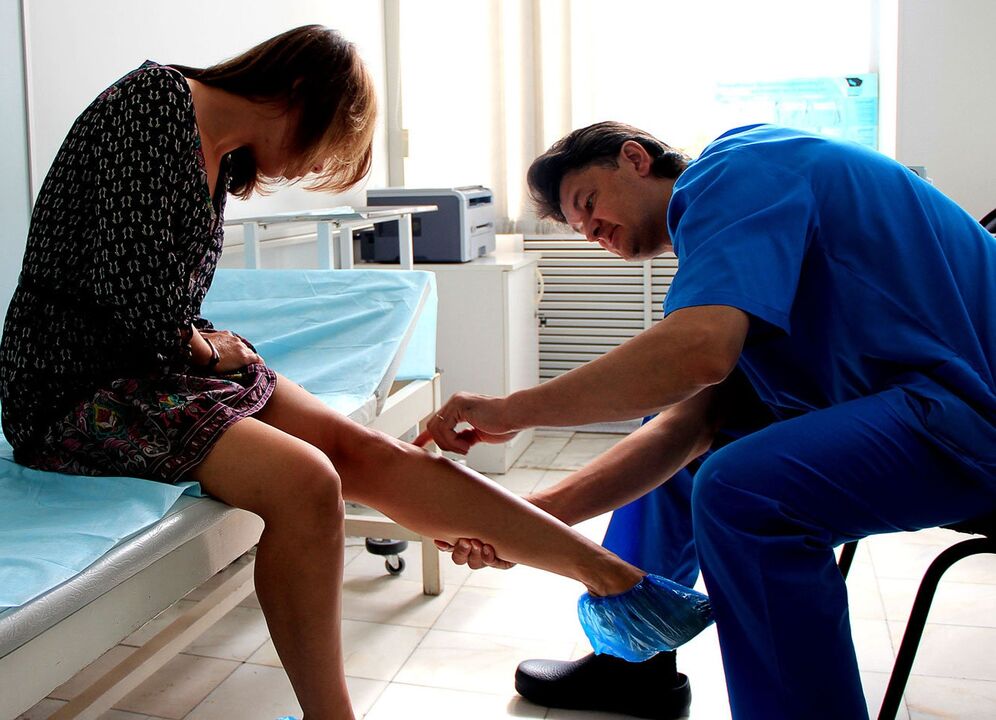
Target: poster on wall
column 843, row 107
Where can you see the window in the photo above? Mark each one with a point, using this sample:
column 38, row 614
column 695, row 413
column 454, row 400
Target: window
column 487, row 85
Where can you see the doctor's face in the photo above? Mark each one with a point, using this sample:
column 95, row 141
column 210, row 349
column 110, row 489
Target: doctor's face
column 621, row 208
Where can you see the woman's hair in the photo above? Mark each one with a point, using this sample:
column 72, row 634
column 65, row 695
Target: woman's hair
column 314, row 72
column 597, row 144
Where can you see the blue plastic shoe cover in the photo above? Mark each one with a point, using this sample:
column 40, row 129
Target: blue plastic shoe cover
column 654, row 616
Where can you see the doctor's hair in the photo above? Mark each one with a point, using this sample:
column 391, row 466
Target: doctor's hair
column 316, row 74
column 597, row 144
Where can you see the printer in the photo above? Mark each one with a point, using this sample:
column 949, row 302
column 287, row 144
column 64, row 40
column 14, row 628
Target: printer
column 463, row 227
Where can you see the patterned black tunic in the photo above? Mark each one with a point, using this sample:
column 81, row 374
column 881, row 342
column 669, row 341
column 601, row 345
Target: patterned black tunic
column 95, row 373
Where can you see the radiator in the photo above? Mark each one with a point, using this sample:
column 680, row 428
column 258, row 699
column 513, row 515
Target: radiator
column 592, row 300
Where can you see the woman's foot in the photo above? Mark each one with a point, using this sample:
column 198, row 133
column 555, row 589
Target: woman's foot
column 655, row 616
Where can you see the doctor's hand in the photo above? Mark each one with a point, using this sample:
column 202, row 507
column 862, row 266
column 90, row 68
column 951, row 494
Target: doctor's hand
column 483, row 413
column 474, row 554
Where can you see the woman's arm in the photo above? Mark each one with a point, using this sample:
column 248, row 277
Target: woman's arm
column 200, row 350
column 139, row 273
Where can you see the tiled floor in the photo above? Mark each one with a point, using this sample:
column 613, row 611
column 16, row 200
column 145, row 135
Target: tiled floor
column 410, row 656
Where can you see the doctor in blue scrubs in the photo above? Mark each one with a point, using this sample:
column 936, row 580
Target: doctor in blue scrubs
column 856, row 301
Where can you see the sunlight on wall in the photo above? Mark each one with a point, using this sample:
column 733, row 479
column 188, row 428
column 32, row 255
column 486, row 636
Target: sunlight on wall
column 488, row 85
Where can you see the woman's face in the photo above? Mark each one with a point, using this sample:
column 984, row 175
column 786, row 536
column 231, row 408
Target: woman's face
column 274, row 149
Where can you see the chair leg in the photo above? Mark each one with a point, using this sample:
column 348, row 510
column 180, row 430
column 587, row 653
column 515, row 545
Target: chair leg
column 847, row 557
column 918, row 618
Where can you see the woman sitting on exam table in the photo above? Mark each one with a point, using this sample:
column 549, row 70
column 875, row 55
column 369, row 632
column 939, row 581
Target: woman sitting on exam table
column 106, row 367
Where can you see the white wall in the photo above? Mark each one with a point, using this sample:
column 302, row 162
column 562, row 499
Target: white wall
column 15, row 191
column 76, row 49
column 943, row 104
column 946, row 104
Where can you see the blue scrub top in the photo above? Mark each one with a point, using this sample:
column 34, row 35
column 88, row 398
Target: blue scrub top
column 858, row 277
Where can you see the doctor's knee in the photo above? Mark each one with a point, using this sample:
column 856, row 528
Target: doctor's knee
column 731, row 491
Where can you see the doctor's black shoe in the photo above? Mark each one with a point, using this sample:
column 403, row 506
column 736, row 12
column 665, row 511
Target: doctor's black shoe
column 651, row 689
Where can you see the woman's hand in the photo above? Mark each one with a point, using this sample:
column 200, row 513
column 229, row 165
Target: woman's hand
column 233, row 352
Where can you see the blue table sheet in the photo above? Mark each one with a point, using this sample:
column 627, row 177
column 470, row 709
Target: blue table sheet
column 334, row 332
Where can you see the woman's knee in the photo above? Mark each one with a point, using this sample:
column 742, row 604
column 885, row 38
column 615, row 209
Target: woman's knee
column 309, row 493
column 371, row 462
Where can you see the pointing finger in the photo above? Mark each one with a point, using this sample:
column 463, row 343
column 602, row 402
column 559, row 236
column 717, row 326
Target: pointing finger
column 423, row 438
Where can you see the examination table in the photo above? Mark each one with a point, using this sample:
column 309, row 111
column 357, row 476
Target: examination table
column 86, row 561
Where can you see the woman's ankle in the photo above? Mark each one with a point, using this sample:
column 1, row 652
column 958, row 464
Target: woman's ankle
column 617, row 576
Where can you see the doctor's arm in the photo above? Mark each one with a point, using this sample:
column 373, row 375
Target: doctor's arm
column 688, row 351
column 639, row 463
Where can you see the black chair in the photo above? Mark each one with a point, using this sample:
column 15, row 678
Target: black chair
column 985, row 526
column 989, row 222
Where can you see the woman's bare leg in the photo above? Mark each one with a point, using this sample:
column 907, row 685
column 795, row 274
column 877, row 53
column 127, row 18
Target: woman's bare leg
column 438, row 498
column 296, row 490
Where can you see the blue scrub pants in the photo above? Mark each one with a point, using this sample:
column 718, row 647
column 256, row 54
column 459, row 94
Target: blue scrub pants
column 767, row 511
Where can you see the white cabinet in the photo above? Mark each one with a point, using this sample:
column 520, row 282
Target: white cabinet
column 487, row 338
